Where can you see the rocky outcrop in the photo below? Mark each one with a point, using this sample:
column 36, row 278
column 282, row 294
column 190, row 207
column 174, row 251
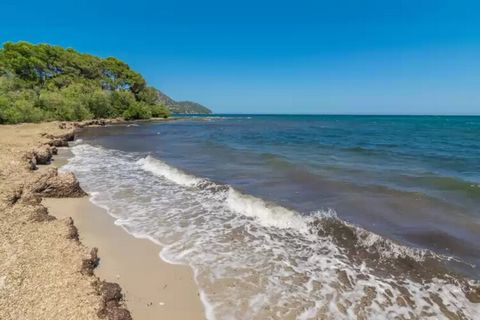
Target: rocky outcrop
column 90, row 123
column 95, row 122
column 52, row 184
column 60, row 140
column 43, row 255
column 58, row 143
column 40, row 214
column 30, row 161
column 43, row 154
column 55, row 184
column 72, row 230
column 88, row 265
column 111, row 306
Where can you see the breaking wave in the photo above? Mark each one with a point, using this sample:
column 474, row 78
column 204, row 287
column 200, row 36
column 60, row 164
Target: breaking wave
column 324, row 223
column 267, row 214
column 254, row 259
column 160, row 168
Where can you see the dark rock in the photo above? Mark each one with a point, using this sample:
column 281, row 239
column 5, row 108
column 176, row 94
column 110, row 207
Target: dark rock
column 113, row 312
column 53, row 184
column 41, row 214
column 111, row 292
column 29, row 158
column 61, row 140
column 58, row 143
column 69, row 136
column 43, row 154
column 72, row 230
column 111, row 298
column 29, row 199
column 88, row 265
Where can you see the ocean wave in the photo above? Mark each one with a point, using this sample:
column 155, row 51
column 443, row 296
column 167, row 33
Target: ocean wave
column 264, row 212
column 254, row 259
column 323, row 222
column 160, row 168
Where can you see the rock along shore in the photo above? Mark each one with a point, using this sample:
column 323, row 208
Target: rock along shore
column 45, row 271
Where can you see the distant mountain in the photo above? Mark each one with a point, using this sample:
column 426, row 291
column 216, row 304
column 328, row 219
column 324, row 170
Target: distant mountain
column 187, row 107
column 191, row 107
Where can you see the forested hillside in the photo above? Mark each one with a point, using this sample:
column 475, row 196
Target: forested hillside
column 44, row 82
column 184, row 107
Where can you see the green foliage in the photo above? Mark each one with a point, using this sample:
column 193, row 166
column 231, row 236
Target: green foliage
column 148, row 95
column 100, row 104
column 69, row 103
column 43, row 82
column 138, row 110
column 19, row 110
column 121, row 100
column 159, row 111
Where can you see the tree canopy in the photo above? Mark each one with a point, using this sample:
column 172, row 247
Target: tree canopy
column 45, row 82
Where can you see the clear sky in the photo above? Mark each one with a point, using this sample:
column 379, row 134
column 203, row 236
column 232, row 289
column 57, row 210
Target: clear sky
column 400, row 57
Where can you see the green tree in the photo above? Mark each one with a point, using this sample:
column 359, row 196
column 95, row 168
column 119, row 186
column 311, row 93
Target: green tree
column 100, row 104
column 138, row 110
column 45, row 82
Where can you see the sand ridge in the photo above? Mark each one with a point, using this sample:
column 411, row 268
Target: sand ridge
column 45, row 272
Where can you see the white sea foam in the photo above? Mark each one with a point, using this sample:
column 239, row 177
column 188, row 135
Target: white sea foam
column 271, row 215
column 266, row 213
column 251, row 259
column 162, row 169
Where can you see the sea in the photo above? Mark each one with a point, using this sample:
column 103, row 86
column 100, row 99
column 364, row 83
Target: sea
column 302, row 216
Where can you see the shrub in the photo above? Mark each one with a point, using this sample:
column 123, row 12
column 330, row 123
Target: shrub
column 65, row 104
column 138, row 110
column 159, row 111
column 121, row 101
column 100, row 104
column 19, row 110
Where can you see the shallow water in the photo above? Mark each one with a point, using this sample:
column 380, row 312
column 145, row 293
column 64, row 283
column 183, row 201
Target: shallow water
column 293, row 216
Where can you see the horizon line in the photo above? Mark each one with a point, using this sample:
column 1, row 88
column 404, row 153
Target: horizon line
column 349, row 114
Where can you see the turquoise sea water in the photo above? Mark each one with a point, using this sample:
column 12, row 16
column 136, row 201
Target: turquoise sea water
column 413, row 180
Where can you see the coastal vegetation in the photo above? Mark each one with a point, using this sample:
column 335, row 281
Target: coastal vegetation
column 45, row 82
column 182, row 107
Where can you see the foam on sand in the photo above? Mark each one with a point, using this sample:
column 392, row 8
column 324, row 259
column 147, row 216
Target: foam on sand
column 254, row 259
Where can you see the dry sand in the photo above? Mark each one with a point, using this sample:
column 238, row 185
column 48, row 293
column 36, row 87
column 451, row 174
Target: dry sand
column 40, row 265
column 45, row 272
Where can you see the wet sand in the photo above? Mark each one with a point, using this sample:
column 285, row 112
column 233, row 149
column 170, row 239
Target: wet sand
column 153, row 288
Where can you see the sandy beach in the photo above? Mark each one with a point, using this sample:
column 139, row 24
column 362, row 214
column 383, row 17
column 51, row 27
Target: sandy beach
column 153, row 288
column 47, row 268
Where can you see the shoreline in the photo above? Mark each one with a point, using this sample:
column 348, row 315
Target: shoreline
column 154, row 288
column 46, row 271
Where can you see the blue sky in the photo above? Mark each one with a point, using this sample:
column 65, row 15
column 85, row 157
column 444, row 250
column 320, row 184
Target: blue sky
column 400, row 57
